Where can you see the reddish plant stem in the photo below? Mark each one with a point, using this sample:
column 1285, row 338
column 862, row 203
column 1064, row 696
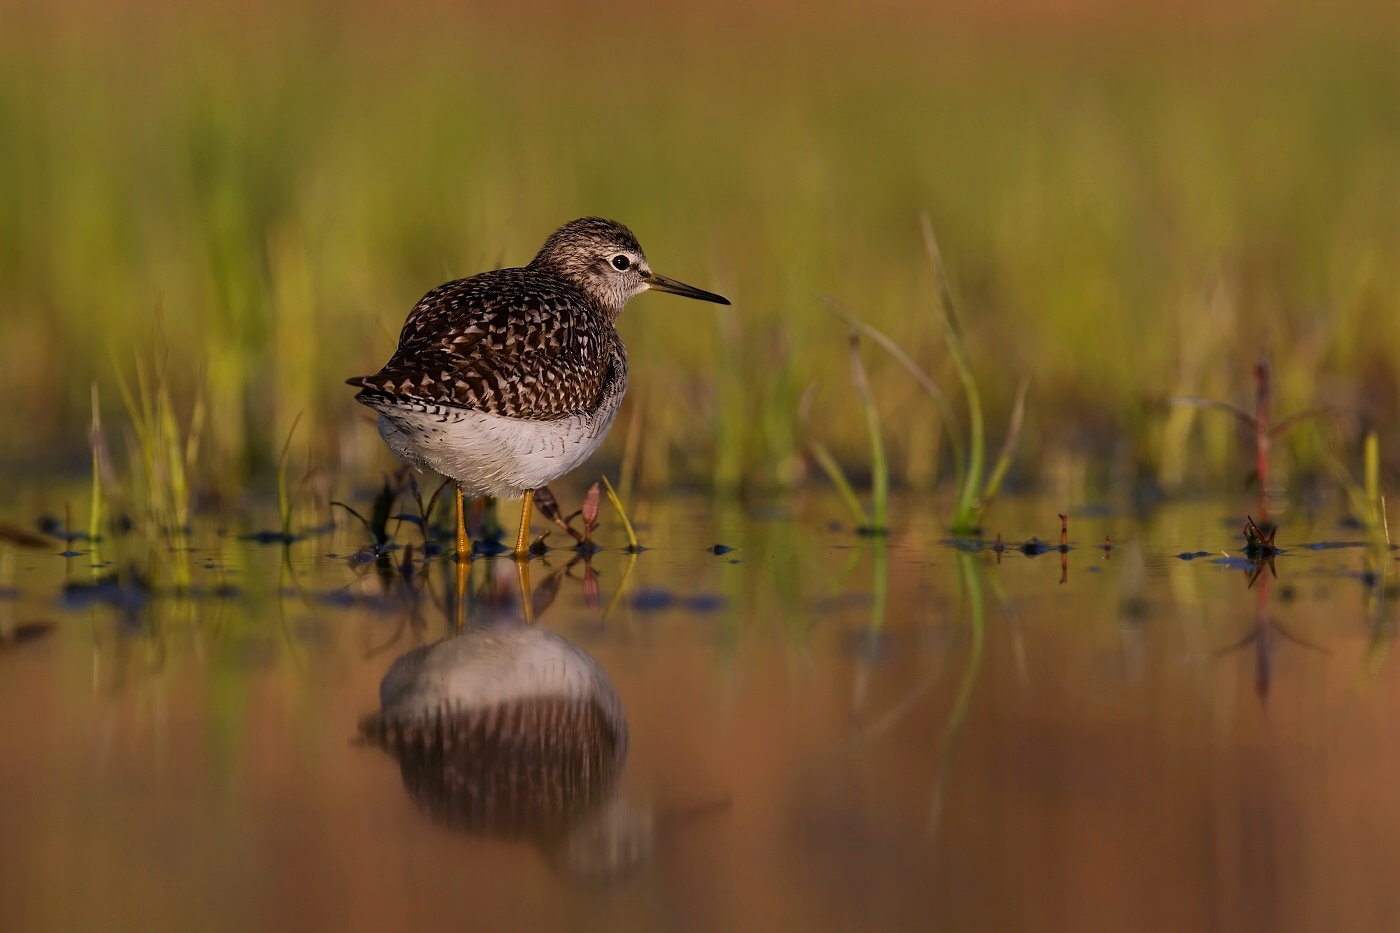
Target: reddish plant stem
column 1262, row 394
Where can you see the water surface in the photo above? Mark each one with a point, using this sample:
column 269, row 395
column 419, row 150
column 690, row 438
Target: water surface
column 822, row 731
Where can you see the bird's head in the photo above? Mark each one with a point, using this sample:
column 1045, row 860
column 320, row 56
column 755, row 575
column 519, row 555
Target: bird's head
column 604, row 259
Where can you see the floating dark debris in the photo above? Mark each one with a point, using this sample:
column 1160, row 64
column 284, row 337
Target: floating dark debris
column 718, row 549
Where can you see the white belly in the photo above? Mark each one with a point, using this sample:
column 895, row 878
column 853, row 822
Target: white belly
column 492, row 455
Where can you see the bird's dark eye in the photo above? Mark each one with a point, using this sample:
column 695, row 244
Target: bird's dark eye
column 620, row 263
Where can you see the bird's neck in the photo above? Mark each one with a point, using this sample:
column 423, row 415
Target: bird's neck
column 601, row 298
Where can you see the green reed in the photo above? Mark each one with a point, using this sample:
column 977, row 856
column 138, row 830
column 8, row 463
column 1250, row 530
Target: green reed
column 97, row 510
column 1366, row 501
column 163, row 459
column 873, row 522
column 294, row 195
column 973, row 495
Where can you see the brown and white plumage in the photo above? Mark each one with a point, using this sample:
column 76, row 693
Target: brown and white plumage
column 516, row 342
column 508, row 379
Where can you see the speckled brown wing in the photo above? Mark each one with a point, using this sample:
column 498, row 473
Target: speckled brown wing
column 511, row 342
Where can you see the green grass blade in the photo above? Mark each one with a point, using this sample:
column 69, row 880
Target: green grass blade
column 97, row 507
column 284, row 503
column 828, row 463
column 1008, row 447
column 963, row 511
column 622, row 514
column 1373, row 472
column 945, row 409
column 879, row 467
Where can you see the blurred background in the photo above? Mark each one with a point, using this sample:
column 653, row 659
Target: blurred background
column 1133, row 202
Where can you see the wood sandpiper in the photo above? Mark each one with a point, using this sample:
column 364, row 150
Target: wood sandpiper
column 507, row 380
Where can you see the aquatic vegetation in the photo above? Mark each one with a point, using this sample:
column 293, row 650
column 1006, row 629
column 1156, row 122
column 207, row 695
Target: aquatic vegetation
column 1259, row 423
column 101, row 463
column 973, row 495
column 589, row 513
column 284, row 202
column 164, row 457
column 975, row 491
column 1367, row 504
column 616, row 501
column 377, row 524
column 879, row 466
column 285, row 501
column 829, row 465
column 1259, row 544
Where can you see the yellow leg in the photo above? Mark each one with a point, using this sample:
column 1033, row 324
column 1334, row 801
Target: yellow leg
column 527, row 601
column 464, row 550
column 522, row 540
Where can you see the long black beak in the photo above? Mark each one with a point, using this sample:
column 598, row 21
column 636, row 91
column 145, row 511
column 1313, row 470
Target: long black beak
column 660, row 283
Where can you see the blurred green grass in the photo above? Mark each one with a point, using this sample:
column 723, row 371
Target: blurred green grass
column 1128, row 212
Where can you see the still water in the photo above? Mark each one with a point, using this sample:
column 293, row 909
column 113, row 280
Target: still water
column 810, row 731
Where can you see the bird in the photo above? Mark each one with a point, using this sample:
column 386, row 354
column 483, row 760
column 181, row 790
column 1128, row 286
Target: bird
column 507, row 380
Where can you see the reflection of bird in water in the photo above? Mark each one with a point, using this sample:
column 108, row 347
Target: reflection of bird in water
column 515, row 733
